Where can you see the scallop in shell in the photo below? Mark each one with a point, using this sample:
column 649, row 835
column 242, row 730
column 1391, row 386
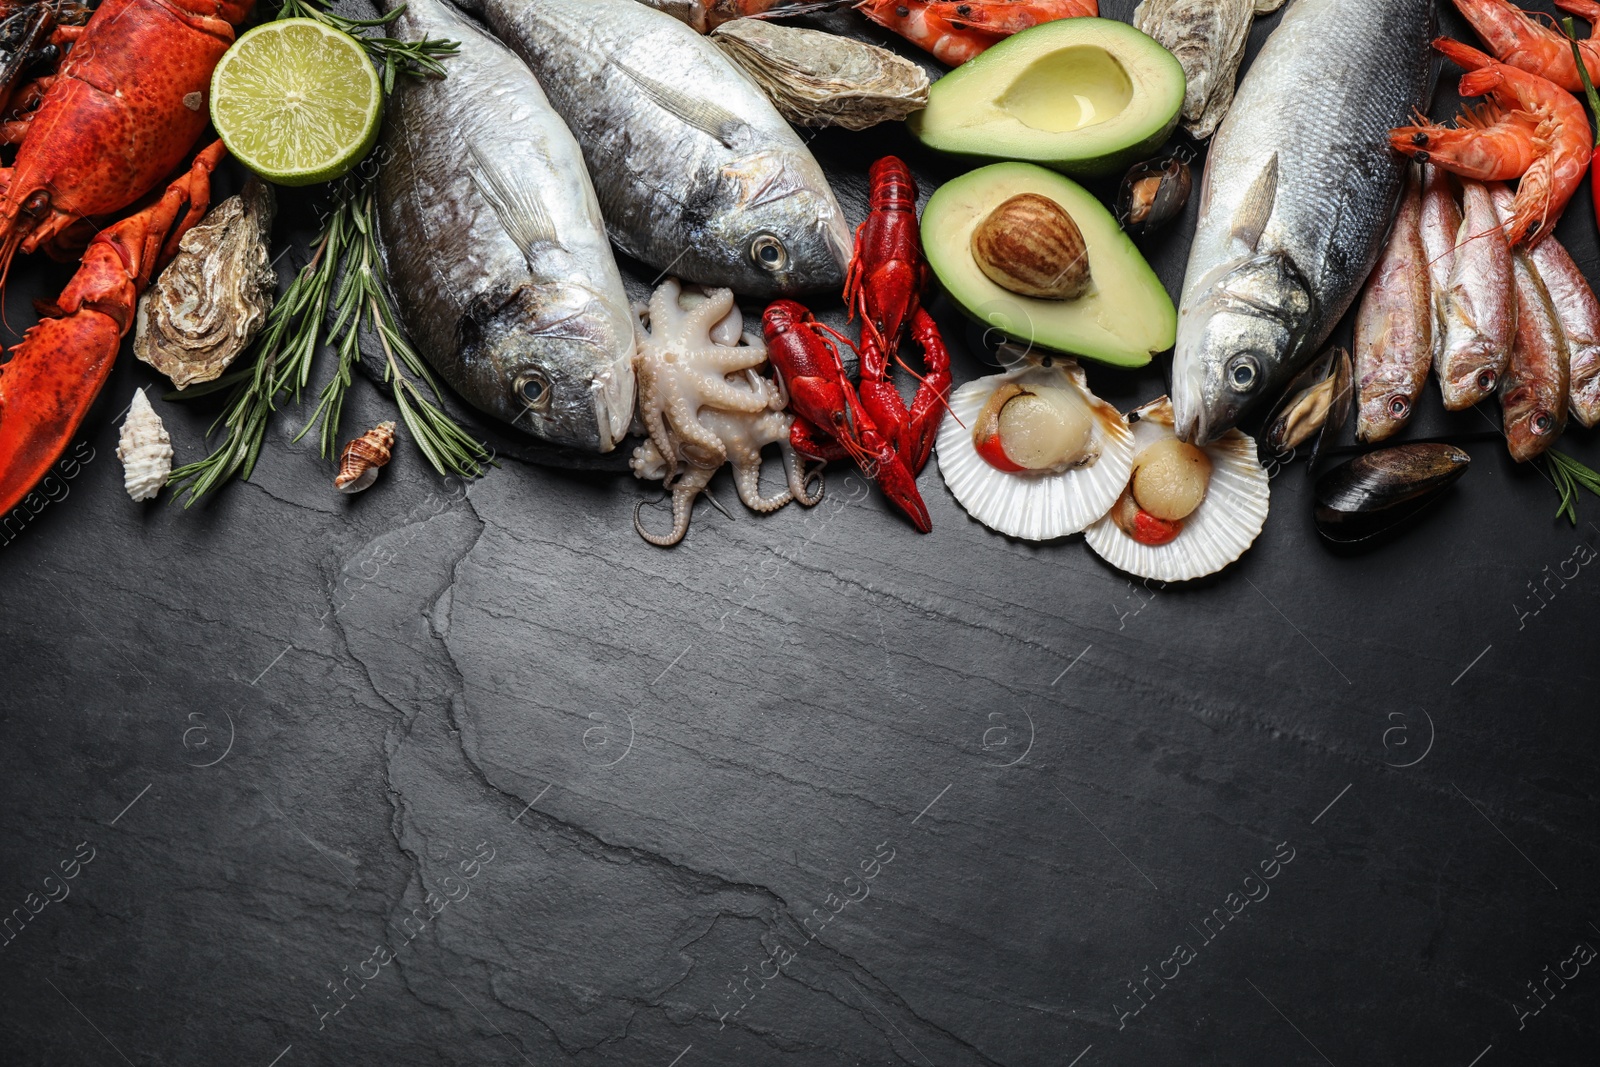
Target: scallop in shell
column 1036, row 505
column 1225, row 524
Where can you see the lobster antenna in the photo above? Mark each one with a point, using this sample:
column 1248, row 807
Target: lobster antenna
column 943, row 402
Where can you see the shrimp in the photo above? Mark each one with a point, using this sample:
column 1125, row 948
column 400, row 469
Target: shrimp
column 948, row 40
column 1011, row 16
column 1519, row 40
column 1486, row 143
column 956, row 30
column 1554, row 123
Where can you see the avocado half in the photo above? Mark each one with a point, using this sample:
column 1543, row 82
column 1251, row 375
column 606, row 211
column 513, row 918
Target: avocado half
column 1087, row 96
column 1124, row 318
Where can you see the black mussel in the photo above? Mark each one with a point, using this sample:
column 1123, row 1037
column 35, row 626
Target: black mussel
column 1378, row 491
column 1316, row 402
column 1153, row 193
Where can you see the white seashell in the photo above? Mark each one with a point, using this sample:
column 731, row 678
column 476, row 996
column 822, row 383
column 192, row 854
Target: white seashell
column 1035, row 506
column 1226, row 523
column 145, row 450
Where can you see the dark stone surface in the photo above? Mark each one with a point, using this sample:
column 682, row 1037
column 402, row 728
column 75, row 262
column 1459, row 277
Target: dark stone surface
column 633, row 777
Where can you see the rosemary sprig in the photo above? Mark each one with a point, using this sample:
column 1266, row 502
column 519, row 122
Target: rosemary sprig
column 1583, row 73
column 389, row 54
column 1569, row 476
column 283, row 355
column 363, row 301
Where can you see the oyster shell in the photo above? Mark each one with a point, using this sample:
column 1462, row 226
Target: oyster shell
column 1034, row 505
column 823, row 79
column 214, row 296
column 1226, row 523
column 1208, row 39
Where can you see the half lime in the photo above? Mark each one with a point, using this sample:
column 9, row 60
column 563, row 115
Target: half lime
column 296, row 101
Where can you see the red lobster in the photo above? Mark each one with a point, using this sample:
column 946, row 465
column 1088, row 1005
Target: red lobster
column 869, row 424
column 122, row 114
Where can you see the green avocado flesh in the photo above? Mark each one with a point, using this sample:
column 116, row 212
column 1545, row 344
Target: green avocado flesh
column 1087, row 96
column 1124, row 318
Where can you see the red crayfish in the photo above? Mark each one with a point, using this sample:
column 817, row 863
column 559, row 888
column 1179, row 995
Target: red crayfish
column 870, row 423
column 120, row 116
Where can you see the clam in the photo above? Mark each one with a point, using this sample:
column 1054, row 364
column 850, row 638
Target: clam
column 1377, row 491
column 1186, row 512
column 1154, row 193
column 1032, row 452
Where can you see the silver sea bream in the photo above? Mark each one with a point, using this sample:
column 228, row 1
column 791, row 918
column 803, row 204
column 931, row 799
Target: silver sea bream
column 697, row 173
column 494, row 244
column 1299, row 187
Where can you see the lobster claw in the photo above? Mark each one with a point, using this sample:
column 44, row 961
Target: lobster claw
column 45, row 391
column 56, row 371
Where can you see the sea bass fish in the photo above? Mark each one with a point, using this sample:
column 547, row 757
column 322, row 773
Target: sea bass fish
column 1299, row 188
column 696, row 172
column 1394, row 326
column 495, row 246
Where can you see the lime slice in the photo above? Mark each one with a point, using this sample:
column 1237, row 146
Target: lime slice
column 296, row 101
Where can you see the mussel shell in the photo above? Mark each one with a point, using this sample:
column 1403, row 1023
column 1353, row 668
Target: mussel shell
column 1378, row 491
column 1172, row 193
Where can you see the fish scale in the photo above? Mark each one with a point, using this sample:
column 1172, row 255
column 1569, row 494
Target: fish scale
column 1329, row 84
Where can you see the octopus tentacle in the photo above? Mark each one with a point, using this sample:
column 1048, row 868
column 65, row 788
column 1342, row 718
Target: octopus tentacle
column 747, row 480
column 800, row 478
column 683, row 495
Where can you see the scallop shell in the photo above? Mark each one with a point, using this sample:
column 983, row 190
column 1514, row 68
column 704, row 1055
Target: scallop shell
column 1033, row 506
column 1226, row 523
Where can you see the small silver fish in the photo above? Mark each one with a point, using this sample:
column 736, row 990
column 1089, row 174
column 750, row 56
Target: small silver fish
column 1299, row 188
column 1440, row 225
column 495, row 246
column 1394, row 326
column 1579, row 312
column 1480, row 304
column 696, row 172
column 1533, row 396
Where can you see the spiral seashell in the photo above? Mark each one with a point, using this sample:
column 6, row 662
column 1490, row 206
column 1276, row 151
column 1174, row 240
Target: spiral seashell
column 361, row 458
column 144, row 449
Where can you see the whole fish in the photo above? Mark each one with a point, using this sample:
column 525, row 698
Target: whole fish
column 1394, row 326
column 1579, row 313
column 1533, row 396
column 1299, row 187
column 696, row 172
column 1480, row 304
column 1440, row 226
column 495, row 246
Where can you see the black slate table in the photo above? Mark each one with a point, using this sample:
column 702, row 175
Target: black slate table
column 449, row 773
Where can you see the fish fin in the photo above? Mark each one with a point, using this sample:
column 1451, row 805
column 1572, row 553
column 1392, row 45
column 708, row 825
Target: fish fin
column 711, row 118
column 515, row 202
column 1256, row 210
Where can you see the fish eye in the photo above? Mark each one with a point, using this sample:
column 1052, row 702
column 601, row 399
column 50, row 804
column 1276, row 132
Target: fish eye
column 1399, row 407
column 534, row 389
column 1486, row 380
column 1542, row 422
column 768, row 253
column 1242, row 373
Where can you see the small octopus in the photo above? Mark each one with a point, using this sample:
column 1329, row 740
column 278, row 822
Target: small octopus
column 704, row 403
